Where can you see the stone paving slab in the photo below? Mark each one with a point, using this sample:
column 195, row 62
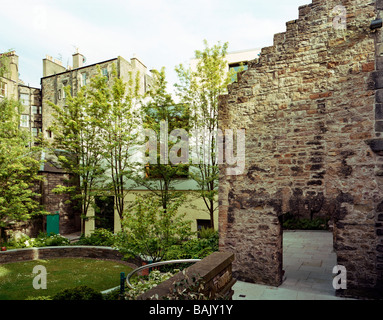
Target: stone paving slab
column 308, row 259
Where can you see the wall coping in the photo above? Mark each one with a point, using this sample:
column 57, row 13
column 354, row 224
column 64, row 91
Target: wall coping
column 211, row 269
column 51, row 252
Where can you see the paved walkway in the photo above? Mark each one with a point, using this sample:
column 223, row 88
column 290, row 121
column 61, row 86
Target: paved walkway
column 308, row 260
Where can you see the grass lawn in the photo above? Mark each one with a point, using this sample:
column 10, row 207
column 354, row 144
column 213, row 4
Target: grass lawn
column 16, row 279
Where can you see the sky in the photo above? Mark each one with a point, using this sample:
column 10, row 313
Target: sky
column 161, row 33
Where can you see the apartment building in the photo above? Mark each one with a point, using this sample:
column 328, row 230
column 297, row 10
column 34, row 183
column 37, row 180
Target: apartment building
column 56, row 77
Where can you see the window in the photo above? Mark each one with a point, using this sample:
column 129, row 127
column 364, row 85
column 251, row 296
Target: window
column 49, row 134
column 237, row 67
column 59, row 94
column 24, row 99
column 83, row 79
column 36, row 131
column 105, row 73
column 24, row 121
column 3, row 89
column 36, row 109
column 203, row 224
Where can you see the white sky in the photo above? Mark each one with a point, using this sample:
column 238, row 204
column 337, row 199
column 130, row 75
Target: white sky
column 160, row 32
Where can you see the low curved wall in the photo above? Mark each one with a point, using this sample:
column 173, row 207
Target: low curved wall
column 16, row 255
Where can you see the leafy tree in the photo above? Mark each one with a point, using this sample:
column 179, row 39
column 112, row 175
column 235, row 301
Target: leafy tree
column 19, row 168
column 161, row 113
column 150, row 230
column 78, row 147
column 117, row 102
column 200, row 89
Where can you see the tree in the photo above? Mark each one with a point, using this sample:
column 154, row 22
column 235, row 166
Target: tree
column 161, row 116
column 150, row 230
column 19, row 169
column 78, row 147
column 200, row 89
column 118, row 122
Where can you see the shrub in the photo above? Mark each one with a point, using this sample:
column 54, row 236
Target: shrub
column 150, row 230
column 42, row 240
column 78, row 293
column 155, row 278
column 293, row 223
column 99, row 237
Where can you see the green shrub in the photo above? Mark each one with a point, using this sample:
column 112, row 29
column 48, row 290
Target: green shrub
column 155, row 278
column 99, row 237
column 207, row 233
column 78, row 293
column 42, row 240
column 293, row 223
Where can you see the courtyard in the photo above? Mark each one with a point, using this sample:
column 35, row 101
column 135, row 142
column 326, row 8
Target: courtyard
column 308, row 260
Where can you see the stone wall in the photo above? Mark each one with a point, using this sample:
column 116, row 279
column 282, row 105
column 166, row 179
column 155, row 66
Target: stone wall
column 17, row 255
column 308, row 108
column 70, row 221
column 214, row 272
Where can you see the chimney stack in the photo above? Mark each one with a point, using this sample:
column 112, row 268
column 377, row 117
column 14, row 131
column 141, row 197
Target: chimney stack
column 78, row 60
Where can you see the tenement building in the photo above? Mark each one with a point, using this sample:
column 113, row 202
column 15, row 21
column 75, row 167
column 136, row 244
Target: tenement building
column 311, row 107
column 56, row 77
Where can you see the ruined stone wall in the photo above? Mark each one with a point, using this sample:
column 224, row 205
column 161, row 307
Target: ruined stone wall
column 307, row 106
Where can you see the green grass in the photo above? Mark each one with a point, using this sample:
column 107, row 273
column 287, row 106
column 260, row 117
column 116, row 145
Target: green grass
column 16, row 279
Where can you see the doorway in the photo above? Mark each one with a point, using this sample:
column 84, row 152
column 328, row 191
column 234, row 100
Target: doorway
column 104, row 212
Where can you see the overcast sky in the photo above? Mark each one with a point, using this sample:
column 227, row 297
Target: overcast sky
column 160, row 32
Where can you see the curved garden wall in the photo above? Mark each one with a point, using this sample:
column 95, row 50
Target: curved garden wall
column 105, row 253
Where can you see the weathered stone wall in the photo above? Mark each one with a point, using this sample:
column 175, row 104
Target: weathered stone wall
column 307, row 105
column 214, row 272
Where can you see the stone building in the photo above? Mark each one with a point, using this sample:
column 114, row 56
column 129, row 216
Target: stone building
column 10, row 79
column 31, row 115
column 311, row 106
column 56, row 77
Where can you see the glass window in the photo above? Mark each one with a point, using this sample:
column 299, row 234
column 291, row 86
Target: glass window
column 24, row 121
column 105, row 72
column 36, row 109
column 24, row 99
column 36, row 131
column 83, row 79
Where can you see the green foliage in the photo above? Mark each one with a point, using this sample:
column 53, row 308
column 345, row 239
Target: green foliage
column 99, row 237
column 194, row 248
column 19, row 168
column 199, row 90
column 293, row 223
column 150, row 231
column 75, row 131
column 189, row 288
column 162, row 176
column 78, row 293
column 141, row 286
column 42, row 240
column 206, row 233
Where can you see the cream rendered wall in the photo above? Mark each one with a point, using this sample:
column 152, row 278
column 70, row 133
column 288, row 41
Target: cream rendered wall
column 194, row 207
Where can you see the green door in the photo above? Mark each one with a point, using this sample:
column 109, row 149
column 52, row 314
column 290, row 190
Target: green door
column 53, row 222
